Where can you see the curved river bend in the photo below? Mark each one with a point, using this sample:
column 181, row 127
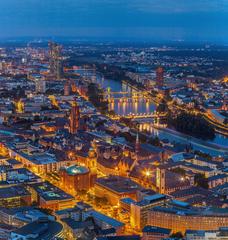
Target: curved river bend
column 142, row 106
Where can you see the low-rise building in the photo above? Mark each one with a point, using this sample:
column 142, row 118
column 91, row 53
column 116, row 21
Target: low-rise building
column 139, row 210
column 21, row 216
column 180, row 216
column 115, row 187
column 49, row 196
column 14, row 196
column 5, row 230
column 76, row 178
column 38, row 230
column 217, row 180
column 105, row 222
column 155, row 233
column 77, row 229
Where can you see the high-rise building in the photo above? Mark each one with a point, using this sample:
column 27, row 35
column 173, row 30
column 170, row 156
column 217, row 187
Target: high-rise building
column 55, row 60
column 74, row 118
column 160, row 77
column 40, row 85
column 67, row 89
column 2, row 66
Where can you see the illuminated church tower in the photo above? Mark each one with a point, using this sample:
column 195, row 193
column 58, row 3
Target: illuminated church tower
column 74, row 118
column 19, row 106
column 137, row 144
column 160, row 180
column 66, row 88
column 135, row 154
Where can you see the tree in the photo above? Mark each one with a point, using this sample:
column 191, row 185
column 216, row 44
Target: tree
column 95, row 95
column 126, row 121
column 201, row 181
column 100, row 123
column 142, row 138
column 37, row 118
column 194, row 125
column 111, row 113
column 155, row 141
column 34, row 204
column 179, row 170
column 177, row 235
column 127, row 136
column 203, row 155
column 167, row 96
column 162, row 107
column 101, row 201
column 104, row 201
column 81, row 193
column 46, row 210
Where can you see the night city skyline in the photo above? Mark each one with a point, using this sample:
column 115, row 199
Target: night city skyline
column 113, row 119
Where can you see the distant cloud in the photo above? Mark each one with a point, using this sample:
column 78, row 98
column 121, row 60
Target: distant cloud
column 180, row 6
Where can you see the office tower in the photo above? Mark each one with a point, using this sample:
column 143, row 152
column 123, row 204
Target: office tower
column 67, row 89
column 55, row 60
column 2, row 67
column 160, row 77
column 40, row 85
column 74, row 118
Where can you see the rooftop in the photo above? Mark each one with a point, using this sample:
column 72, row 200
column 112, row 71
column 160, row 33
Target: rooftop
column 127, row 200
column 153, row 229
column 40, row 230
column 151, row 199
column 182, row 208
column 77, row 224
column 76, row 170
column 13, row 191
column 118, row 184
column 13, row 162
column 111, row 221
column 49, row 192
column 125, row 237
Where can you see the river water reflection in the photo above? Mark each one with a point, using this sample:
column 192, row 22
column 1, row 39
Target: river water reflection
column 142, row 106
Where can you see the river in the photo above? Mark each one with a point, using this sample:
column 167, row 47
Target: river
column 143, row 106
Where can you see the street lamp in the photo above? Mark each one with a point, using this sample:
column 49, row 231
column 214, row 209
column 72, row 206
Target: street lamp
column 182, row 179
column 147, row 173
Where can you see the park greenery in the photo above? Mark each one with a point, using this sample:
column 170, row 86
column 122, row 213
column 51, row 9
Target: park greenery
column 193, row 125
column 95, row 95
column 201, row 181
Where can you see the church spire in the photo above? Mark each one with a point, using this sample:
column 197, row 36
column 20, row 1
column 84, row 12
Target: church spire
column 137, row 143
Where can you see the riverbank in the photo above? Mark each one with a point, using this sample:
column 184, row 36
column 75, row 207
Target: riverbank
column 215, row 148
column 195, row 141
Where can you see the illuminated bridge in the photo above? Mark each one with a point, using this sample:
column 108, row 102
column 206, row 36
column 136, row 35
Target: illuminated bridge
column 143, row 115
column 125, row 97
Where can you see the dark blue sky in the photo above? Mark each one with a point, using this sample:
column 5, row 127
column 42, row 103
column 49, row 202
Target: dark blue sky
column 192, row 20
